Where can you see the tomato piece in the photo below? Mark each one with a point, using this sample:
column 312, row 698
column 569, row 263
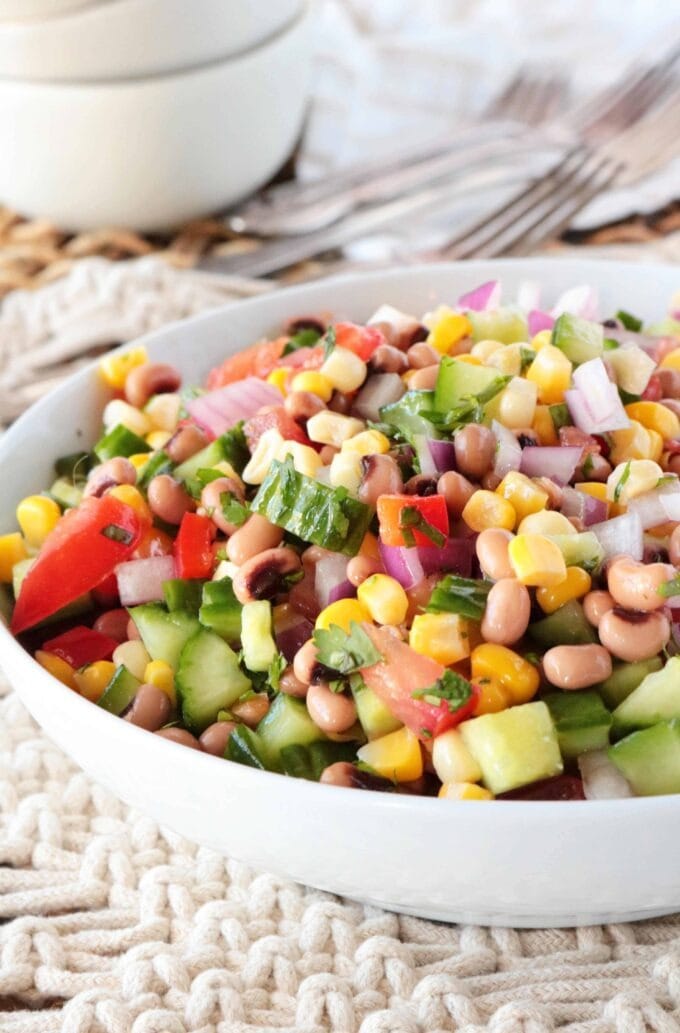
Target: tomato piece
column 562, row 787
column 193, row 546
column 431, row 509
column 106, row 594
column 654, row 391
column 83, row 549
column 275, row 418
column 303, row 358
column 153, row 542
column 403, row 672
column 81, row 646
column 362, row 340
column 257, row 361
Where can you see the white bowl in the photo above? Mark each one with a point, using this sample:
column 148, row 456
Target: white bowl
column 30, row 9
column 153, row 153
column 128, row 38
column 510, row 863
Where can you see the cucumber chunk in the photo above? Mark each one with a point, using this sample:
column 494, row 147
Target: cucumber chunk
column 66, row 493
column 245, row 747
column 626, row 677
column 120, row 441
column 220, row 609
column 259, row 648
column 164, row 634
column 374, row 716
column 580, row 550
column 504, row 324
column 650, row 759
column 310, row 761
column 458, row 380
column 565, row 627
column 183, row 595
column 287, row 724
column 579, row 339
column 581, row 719
column 514, row 747
column 406, row 415
column 657, row 698
column 120, row 692
column 208, row 680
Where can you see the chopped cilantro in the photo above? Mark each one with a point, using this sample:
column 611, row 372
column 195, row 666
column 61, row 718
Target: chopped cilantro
column 328, row 341
column 345, row 652
column 233, row 509
column 461, row 595
column 117, row 534
column 276, row 669
column 609, row 344
column 410, row 520
column 527, row 356
column 469, row 409
column 451, row 687
column 622, row 481
column 305, row 338
column 587, row 464
column 669, row 588
column 630, row 322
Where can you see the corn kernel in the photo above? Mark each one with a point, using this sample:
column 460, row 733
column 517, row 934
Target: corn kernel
column 305, row 459
column 12, row 550
column 544, row 427
column 471, row 360
column 493, row 696
column 655, row 416
column 370, row 546
column 515, row 406
column 346, row 472
column 451, row 328
column 442, row 636
column 367, row 443
column 397, row 755
column 160, row 674
column 575, row 585
column 115, row 368
column 57, row 667
column 117, row 411
column 343, row 613
column 263, row 455
column 627, row 480
column 452, row 760
column 463, row 791
column 517, row 676
column 158, row 439
column 540, row 340
column 671, row 360
column 632, row 442
column 314, row 382
column 548, row 522
column 133, row 498
column 278, row 378
column 536, row 560
column 655, row 445
column 344, row 370
column 132, row 655
column 524, row 494
column 507, row 360
column 93, row 679
column 551, row 372
column 384, row 598
column 483, row 350
column 487, row 509
column 331, row 428
column 37, row 516
column 139, row 459
column 163, row 411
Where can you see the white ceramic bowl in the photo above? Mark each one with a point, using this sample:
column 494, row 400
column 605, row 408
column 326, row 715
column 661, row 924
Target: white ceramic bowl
column 516, row 863
column 153, row 153
column 128, row 38
column 31, row 9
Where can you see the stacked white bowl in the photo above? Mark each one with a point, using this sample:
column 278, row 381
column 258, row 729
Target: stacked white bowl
column 147, row 113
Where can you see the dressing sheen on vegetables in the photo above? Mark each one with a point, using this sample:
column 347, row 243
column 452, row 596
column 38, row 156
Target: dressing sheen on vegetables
column 435, row 554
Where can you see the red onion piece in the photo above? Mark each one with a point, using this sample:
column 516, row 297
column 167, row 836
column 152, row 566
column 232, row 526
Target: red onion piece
column 380, row 389
column 556, row 461
column 581, row 412
column 580, row 301
column 141, row 581
column 587, row 508
column 486, row 296
column 330, row 571
column 294, row 635
column 219, row 410
column 454, row 557
column 443, row 454
column 537, row 321
column 424, row 454
column 402, row 564
column 345, row 590
column 622, row 535
column 602, row 780
column 508, row 450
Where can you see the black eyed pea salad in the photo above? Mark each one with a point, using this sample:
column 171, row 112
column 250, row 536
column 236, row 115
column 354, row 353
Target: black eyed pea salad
column 435, row 554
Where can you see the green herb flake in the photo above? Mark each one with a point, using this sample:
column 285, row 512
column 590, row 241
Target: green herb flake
column 117, row 534
column 622, row 481
column 345, row 652
column 669, row 588
column 233, row 509
column 276, row 669
column 463, row 596
column 609, row 344
column 451, row 687
column 305, row 338
column 410, row 520
column 527, row 356
column 328, row 341
column 629, row 321
column 587, row 464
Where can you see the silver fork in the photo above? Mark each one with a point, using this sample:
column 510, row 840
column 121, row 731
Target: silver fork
column 294, row 209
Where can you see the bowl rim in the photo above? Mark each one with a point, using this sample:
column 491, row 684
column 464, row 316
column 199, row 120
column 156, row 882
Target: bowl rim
column 252, row 778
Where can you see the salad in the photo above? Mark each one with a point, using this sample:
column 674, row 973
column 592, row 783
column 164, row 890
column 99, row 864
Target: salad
column 434, row 554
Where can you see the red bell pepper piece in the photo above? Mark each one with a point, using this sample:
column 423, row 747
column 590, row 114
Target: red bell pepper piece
column 81, row 646
column 430, row 509
column 82, row 550
column 193, row 546
column 403, row 672
column 362, row 340
column 106, row 594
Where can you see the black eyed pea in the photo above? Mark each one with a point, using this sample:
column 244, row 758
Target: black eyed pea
column 475, row 448
column 635, row 586
column 674, row 547
column 360, row 568
column 339, row 774
column 492, row 552
column 211, row 501
column 507, row 612
column 151, row 378
column 150, row 709
column 108, row 475
column 596, row 604
column 576, row 667
column 421, row 355
column 425, row 378
column 457, row 491
column 215, row 738
column 291, row 685
column 330, row 711
column 185, row 443
column 263, row 576
column 251, row 711
column 168, row 499
column 180, row 736
column 302, row 405
column 633, row 636
column 256, row 535
column 380, row 476
column 306, row 666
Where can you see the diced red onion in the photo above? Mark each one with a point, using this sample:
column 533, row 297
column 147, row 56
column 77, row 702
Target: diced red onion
column 402, row 564
column 602, row 780
column 486, row 296
column 219, row 410
column 293, row 636
column 330, row 571
column 529, row 295
column 345, row 590
column 141, row 581
column 580, row 301
column 601, row 396
column 621, row 535
column 649, row 509
column 380, row 389
column 556, row 461
column 443, row 453
column 508, row 450
column 537, row 321
column 670, row 500
column 454, row 557
column 424, row 454
column 581, row 412
column 587, row 508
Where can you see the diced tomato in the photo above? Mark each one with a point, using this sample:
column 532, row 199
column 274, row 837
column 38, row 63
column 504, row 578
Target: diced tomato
column 275, row 418
column 572, row 436
column 193, row 546
column 81, row 646
column 82, row 551
column 362, row 340
column 654, row 391
column 106, row 594
column 562, row 787
column 431, row 508
column 403, row 672
column 257, row 361
column 303, row 358
column 153, row 542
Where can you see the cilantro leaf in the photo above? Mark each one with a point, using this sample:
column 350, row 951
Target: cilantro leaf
column 117, row 534
column 276, row 669
column 461, row 595
column 610, row 344
column 233, row 509
column 328, row 341
column 305, row 338
column 345, row 652
column 410, row 520
column 527, row 356
column 669, row 588
column 629, row 321
column 451, row 687
column 622, row 481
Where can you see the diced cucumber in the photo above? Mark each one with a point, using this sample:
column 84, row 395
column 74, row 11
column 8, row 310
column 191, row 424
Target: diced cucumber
column 657, row 698
column 183, row 595
column 259, row 648
column 19, row 572
column 626, row 677
column 230, row 446
column 287, row 724
column 245, row 747
column 120, row 692
column 164, row 634
column 209, row 456
column 458, row 380
column 220, row 609
column 514, row 747
column 650, row 759
column 310, row 761
column 66, row 493
column 406, row 415
column 579, row 339
column 504, row 324
column 160, row 462
column 76, row 465
column 120, row 441
column 565, row 627
column 581, row 719
column 580, row 550
column 374, row 716
column 208, row 680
